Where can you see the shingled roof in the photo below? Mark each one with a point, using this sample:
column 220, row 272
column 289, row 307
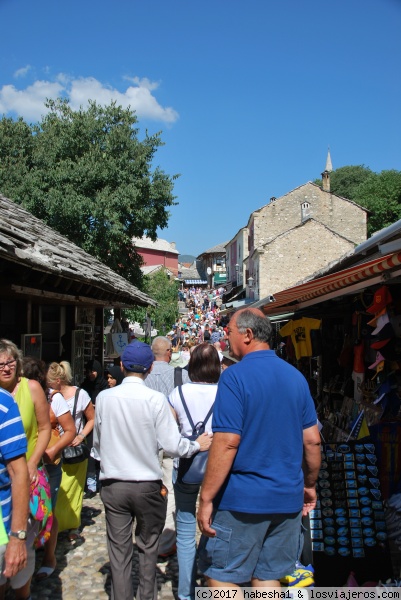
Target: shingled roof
column 159, row 244
column 219, row 249
column 35, row 258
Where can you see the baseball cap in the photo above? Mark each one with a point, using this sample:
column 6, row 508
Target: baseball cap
column 379, row 358
column 386, row 333
column 381, row 322
column 137, row 357
column 373, row 322
column 381, row 298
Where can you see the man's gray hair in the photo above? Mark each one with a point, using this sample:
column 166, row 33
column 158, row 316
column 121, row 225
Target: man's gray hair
column 160, row 345
column 256, row 321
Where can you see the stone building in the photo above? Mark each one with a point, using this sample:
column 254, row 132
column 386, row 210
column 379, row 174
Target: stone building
column 299, row 233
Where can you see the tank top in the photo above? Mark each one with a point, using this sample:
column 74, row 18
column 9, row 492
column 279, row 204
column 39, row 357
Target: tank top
column 27, row 409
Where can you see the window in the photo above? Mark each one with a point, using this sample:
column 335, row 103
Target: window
column 305, row 211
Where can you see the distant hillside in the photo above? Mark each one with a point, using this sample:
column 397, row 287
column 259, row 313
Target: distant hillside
column 186, row 258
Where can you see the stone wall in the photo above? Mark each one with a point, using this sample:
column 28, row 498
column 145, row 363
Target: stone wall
column 296, row 255
column 285, row 213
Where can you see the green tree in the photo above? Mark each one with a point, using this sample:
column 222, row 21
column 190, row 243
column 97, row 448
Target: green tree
column 87, row 175
column 380, row 193
column 345, row 180
column 165, row 291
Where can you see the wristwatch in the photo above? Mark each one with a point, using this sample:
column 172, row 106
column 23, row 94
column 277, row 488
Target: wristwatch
column 21, row 534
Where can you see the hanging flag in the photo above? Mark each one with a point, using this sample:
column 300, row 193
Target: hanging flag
column 359, row 427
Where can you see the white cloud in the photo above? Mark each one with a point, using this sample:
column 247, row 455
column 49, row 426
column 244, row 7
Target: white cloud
column 22, row 72
column 29, row 103
column 144, row 82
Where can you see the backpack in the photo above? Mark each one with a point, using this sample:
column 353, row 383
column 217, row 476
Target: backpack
column 192, row 470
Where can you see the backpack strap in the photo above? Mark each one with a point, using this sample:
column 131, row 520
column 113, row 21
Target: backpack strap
column 177, row 376
column 189, row 414
column 186, row 408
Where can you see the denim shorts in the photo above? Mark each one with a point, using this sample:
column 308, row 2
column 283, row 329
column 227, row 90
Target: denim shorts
column 248, row 546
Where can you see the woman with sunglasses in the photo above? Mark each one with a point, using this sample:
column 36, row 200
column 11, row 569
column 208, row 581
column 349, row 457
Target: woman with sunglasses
column 32, row 403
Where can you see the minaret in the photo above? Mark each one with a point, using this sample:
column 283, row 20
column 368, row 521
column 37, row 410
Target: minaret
column 326, row 173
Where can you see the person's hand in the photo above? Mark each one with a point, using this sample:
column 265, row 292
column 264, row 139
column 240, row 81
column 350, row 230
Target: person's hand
column 15, row 557
column 310, row 498
column 205, row 441
column 33, row 472
column 77, row 440
column 49, row 455
column 204, row 518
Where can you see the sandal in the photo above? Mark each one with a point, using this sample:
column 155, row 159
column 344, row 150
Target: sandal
column 74, row 535
column 44, row 573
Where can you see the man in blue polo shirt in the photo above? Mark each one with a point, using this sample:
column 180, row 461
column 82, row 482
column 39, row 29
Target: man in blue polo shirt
column 263, row 463
column 14, row 500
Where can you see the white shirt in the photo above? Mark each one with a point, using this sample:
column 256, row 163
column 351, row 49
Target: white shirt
column 83, row 401
column 199, row 397
column 131, row 422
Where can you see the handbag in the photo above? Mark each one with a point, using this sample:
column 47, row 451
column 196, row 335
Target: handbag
column 54, row 437
column 76, row 454
column 192, row 470
column 40, row 507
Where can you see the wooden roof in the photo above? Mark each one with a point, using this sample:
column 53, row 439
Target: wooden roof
column 36, row 260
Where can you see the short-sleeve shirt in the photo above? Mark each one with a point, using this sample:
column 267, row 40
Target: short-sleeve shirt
column 83, row 401
column 12, row 444
column 59, row 407
column 267, row 402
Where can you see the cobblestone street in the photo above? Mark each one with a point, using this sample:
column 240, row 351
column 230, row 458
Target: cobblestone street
column 83, row 567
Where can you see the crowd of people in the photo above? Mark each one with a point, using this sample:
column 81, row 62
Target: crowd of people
column 211, row 385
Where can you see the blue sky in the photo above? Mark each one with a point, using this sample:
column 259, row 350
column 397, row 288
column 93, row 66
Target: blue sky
column 248, row 94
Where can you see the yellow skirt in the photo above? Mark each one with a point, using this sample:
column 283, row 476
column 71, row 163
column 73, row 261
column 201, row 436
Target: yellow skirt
column 70, row 496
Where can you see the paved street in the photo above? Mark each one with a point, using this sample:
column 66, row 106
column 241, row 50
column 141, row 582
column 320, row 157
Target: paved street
column 83, row 568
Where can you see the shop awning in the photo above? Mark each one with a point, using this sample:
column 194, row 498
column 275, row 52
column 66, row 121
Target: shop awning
column 220, row 277
column 336, row 284
column 195, row 282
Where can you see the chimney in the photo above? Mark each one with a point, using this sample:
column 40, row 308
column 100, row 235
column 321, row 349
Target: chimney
column 326, row 173
column 172, row 244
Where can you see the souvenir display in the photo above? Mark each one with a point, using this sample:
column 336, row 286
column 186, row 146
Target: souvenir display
column 349, row 519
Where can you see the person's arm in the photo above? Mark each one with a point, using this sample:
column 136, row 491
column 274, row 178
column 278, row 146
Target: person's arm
column 89, row 413
column 67, row 423
column 44, row 426
column 15, row 557
column 311, row 466
column 221, row 457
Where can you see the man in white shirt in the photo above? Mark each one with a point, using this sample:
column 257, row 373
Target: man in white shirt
column 132, row 422
column 164, row 378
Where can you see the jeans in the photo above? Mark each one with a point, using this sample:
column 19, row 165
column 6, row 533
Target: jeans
column 185, row 502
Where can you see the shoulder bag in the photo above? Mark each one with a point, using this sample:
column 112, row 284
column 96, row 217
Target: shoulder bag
column 192, row 470
column 76, row 454
column 40, row 506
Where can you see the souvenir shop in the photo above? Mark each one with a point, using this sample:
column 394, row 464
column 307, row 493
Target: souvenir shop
column 348, row 346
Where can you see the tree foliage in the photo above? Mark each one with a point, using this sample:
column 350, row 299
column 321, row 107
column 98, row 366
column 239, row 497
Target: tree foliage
column 87, row 175
column 380, row 193
column 165, row 291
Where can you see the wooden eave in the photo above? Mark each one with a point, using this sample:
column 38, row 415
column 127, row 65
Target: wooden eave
column 36, row 260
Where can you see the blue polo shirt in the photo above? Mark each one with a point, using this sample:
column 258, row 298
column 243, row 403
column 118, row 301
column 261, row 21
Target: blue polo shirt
column 12, row 444
column 268, row 403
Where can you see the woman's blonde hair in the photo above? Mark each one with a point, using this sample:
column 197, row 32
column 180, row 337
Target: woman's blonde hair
column 60, row 371
column 8, row 347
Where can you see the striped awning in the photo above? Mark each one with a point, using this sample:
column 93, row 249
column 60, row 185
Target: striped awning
column 195, row 282
column 336, row 282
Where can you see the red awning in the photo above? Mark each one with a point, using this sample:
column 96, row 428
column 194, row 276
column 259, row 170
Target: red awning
column 334, row 282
